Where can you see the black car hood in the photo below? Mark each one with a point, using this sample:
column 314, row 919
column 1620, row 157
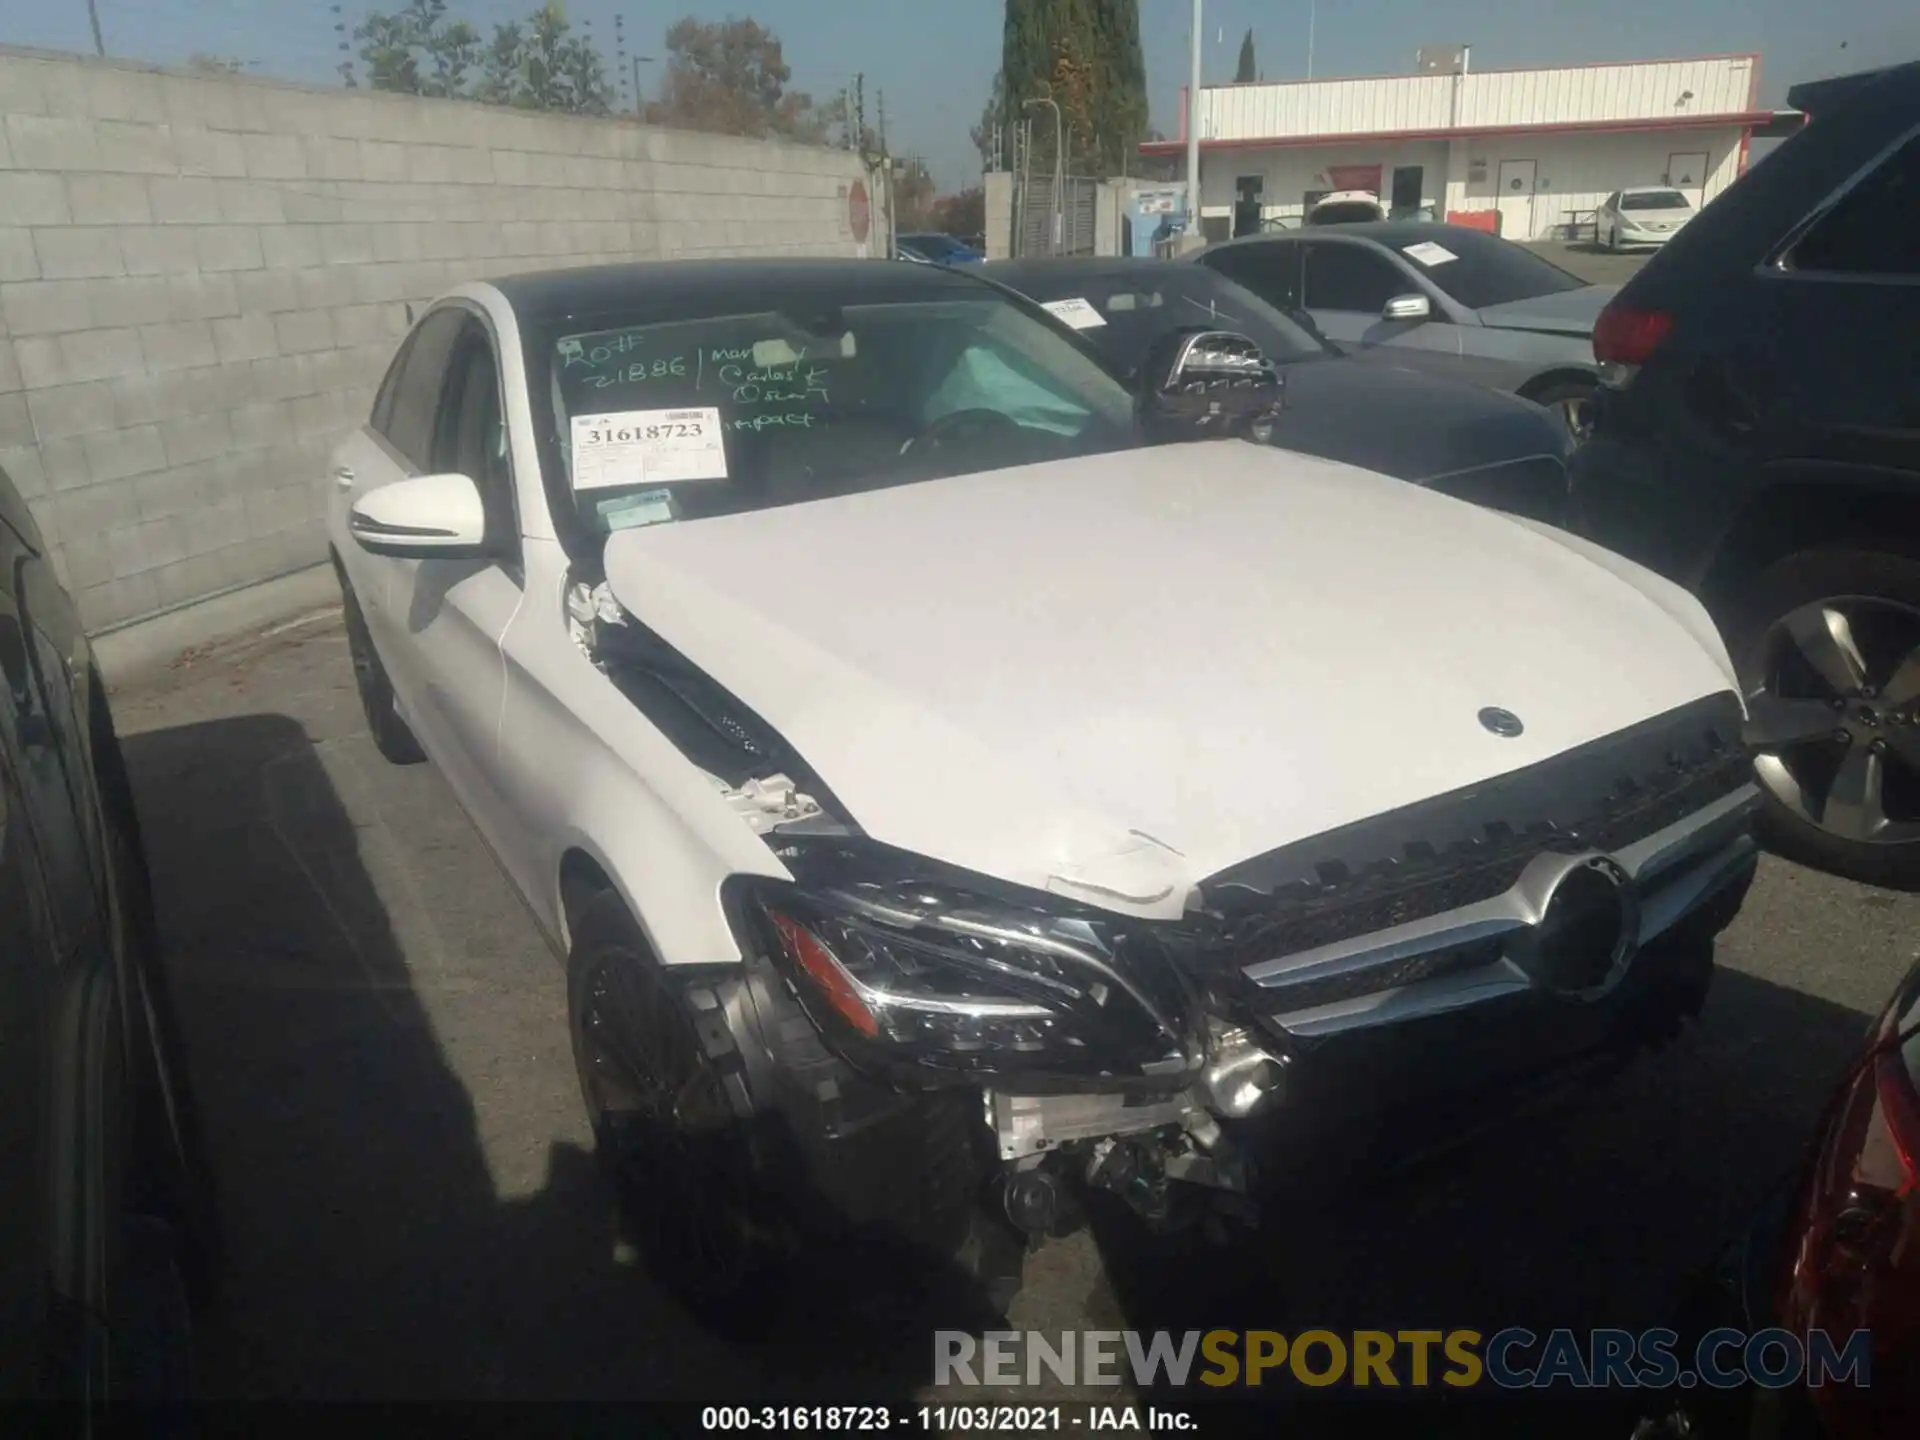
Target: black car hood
column 1408, row 425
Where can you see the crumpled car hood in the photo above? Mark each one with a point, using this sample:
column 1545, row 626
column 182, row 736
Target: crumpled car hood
column 1111, row 677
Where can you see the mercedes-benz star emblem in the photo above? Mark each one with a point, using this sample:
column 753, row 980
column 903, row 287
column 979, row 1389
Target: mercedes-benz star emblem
column 1503, row 723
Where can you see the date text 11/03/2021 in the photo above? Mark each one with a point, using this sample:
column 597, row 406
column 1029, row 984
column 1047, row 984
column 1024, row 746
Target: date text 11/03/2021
column 946, row 1419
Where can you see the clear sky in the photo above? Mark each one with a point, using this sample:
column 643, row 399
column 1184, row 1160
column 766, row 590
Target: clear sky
column 935, row 58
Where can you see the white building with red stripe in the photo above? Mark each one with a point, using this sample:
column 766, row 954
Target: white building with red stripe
column 1531, row 152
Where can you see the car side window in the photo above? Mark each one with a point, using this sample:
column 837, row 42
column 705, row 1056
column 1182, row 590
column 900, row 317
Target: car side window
column 1271, row 270
column 471, row 438
column 1349, row 277
column 1871, row 230
column 382, row 417
column 414, row 412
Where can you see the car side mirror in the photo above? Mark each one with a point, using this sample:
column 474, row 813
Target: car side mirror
column 424, row 517
column 1198, row 383
column 1407, row 307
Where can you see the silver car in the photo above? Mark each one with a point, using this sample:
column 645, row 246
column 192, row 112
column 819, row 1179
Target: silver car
column 1442, row 298
column 1643, row 215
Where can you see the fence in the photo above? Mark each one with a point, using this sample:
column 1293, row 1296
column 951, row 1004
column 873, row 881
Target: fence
column 202, row 279
column 1042, row 228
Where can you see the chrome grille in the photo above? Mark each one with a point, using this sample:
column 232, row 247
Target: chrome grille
column 1458, row 849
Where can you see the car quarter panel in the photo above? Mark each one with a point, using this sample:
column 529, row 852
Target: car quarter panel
column 580, row 767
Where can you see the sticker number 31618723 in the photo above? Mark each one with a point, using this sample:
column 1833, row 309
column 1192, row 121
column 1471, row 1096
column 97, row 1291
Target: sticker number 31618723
column 648, row 447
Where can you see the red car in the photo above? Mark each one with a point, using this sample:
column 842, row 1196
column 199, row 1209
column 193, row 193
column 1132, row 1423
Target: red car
column 1837, row 1251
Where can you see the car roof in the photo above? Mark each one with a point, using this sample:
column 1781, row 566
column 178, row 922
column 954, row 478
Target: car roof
column 1813, row 96
column 596, row 289
column 1068, row 266
column 1384, row 232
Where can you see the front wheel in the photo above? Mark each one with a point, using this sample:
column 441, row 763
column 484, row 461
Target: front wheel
column 391, row 737
column 688, row 1176
column 741, row 1183
column 1828, row 647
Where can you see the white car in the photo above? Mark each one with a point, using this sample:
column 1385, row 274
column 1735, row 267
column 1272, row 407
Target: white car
column 949, row 776
column 1346, row 207
column 1643, row 215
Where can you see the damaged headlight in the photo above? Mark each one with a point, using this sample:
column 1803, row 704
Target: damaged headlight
column 950, row 980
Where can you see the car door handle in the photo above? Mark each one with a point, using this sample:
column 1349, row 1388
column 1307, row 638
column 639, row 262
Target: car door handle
column 343, row 477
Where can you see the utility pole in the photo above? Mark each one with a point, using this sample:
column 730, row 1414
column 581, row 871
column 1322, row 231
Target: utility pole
column 1312, row 8
column 1193, row 125
column 93, row 15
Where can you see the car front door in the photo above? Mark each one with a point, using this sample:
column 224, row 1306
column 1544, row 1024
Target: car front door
column 437, row 622
column 1347, row 284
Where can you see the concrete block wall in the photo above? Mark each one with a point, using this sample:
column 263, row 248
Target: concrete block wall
column 202, row 281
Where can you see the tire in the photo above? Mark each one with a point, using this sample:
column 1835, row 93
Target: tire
column 391, row 737
column 1783, row 643
column 1572, row 400
column 756, row 1166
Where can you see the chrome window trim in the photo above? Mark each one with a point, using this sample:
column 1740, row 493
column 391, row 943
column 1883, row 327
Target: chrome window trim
column 1779, row 264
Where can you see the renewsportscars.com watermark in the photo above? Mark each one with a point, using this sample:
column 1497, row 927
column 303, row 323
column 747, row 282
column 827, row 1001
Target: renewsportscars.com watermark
column 1511, row 1359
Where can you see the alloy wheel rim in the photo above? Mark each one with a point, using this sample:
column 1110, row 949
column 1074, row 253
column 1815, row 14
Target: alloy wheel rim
column 656, row 1130
column 1835, row 720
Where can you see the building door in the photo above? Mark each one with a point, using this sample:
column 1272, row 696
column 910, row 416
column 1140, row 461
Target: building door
column 1247, row 193
column 1687, row 173
column 1516, row 182
column 1407, row 181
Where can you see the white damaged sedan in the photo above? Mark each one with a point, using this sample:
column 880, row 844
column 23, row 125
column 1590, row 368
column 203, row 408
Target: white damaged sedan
column 958, row 778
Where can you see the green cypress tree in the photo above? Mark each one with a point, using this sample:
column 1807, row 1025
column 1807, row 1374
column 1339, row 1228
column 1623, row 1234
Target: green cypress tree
column 1247, row 70
column 1085, row 55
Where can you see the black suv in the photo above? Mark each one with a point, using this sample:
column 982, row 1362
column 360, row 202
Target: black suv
column 1758, row 440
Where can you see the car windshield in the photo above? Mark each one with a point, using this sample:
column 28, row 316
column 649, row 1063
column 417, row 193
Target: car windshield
column 724, row 413
column 1478, row 269
column 1654, row 200
column 1133, row 308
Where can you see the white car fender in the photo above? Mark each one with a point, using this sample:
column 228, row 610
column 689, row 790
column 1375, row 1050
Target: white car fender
column 585, row 770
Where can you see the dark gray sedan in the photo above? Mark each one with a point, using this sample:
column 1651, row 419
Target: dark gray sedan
column 1444, row 299
column 1448, row 435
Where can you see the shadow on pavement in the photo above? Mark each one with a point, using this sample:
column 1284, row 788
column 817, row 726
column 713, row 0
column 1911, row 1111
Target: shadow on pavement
column 1599, row 1213
column 369, row 1254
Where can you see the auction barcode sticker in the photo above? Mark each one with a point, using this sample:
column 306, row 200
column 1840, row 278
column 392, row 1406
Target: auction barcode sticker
column 648, row 447
column 1076, row 311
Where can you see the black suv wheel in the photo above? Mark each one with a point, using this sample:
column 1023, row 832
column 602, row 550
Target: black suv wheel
column 1828, row 647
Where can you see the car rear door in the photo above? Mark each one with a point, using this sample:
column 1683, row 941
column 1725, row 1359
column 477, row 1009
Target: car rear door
column 1347, row 283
